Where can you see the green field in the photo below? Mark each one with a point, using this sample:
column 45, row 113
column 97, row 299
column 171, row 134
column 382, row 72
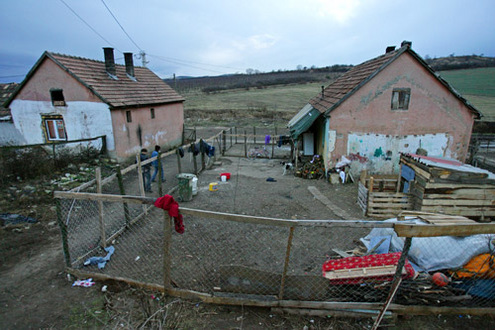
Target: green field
column 477, row 86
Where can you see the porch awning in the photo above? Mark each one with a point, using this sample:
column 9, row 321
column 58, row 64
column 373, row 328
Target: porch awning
column 303, row 120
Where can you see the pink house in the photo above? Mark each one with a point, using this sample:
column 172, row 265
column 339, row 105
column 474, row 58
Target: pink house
column 66, row 98
column 390, row 104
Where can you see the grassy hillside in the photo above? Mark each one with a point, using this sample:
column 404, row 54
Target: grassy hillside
column 289, row 98
column 477, row 86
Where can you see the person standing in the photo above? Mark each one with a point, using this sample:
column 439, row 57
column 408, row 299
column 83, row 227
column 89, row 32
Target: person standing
column 146, row 169
column 155, row 165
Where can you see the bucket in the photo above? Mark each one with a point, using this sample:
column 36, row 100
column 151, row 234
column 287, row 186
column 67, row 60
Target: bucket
column 223, row 178
column 227, row 175
column 194, row 185
column 213, row 186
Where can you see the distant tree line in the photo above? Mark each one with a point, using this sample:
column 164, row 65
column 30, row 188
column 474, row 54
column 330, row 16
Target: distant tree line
column 460, row 62
column 256, row 80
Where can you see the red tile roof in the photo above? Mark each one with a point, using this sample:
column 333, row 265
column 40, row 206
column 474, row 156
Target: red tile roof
column 6, row 91
column 146, row 89
column 342, row 88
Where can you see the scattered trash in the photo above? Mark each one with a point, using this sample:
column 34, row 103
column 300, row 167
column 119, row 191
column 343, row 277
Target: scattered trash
column 84, row 283
column 440, row 279
column 137, row 258
column 213, row 186
column 101, row 261
column 271, row 180
column 104, row 288
column 14, row 219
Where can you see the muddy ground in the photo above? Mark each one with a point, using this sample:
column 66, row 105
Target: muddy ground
column 36, row 293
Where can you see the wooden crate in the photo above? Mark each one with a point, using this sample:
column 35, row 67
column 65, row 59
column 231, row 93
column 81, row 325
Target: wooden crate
column 379, row 198
column 450, row 191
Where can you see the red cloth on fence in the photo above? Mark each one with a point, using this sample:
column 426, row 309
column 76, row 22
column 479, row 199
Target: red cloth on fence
column 168, row 203
column 373, row 260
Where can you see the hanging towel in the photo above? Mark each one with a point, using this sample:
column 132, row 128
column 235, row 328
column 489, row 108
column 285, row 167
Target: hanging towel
column 168, row 203
column 267, row 139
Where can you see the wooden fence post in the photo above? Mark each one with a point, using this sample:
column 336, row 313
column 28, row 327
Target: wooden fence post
column 167, row 240
column 63, row 231
column 245, row 143
column 254, row 134
column 160, row 173
column 235, row 130
column 179, row 167
column 120, row 180
column 194, row 159
column 100, row 208
column 286, row 263
column 273, row 146
column 224, row 141
column 141, row 180
column 231, row 137
column 203, row 161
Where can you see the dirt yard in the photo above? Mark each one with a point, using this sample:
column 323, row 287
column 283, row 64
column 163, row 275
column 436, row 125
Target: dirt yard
column 36, row 293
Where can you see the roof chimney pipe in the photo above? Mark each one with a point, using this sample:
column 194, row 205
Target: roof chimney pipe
column 389, row 49
column 406, row 43
column 129, row 64
column 109, row 60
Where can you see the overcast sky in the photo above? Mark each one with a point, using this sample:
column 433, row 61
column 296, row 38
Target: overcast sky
column 212, row 37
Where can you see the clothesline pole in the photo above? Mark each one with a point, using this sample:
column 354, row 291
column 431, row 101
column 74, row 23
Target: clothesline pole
column 100, row 208
column 141, row 181
column 254, row 135
column 235, row 131
column 194, row 159
column 245, row 143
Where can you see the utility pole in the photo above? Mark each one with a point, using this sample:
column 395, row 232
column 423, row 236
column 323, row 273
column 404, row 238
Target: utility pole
column 142, row 54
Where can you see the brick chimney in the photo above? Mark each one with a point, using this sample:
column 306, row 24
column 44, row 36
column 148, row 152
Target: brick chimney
column 389, row 49
column 129, row 64
column 109, row 60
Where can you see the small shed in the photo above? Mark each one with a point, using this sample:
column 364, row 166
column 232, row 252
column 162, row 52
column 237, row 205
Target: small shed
column 448, row 186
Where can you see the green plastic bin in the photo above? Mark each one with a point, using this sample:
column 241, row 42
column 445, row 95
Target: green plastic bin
column 185, row 186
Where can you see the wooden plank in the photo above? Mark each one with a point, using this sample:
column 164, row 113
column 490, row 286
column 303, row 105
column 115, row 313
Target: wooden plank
column 416, row 230
column 450, row 185
column 459, row 202
column 357, row 313
column 465, row 211
column 329, row 204
column 362, row 272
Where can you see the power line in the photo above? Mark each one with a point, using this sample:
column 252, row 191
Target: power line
column 191, row 66
column 87, row 24
column 186, row 61
column 116, row 20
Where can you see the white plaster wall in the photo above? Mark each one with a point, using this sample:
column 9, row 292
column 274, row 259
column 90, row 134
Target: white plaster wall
column 82, row 120
column 373, row 149
column 9, row 135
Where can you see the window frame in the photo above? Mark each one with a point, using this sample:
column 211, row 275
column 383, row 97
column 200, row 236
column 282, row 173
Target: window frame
column 152, row 113
column 57, row 97
column 401, row 97
column 128, row 116
column 54, row 128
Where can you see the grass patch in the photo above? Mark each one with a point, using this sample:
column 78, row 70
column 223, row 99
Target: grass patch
column 290, row 98
column 479, row 82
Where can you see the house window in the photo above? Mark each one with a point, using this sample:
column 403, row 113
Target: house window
column 128, row 116
column 400, row 98
column 152, row 112
column 54, row 128
column 57, row 97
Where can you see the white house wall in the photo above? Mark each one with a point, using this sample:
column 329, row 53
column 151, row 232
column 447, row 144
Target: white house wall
column 9, row 135
column 82, row 120
column 380, row 153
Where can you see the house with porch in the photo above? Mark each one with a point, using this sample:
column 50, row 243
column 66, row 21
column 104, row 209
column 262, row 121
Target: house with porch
column 67, row 98
column 390, row 104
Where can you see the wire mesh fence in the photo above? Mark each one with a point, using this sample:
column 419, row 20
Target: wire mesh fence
column 262, row 259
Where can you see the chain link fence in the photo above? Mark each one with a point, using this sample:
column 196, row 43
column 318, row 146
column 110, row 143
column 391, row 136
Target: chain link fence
column 244, row 258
